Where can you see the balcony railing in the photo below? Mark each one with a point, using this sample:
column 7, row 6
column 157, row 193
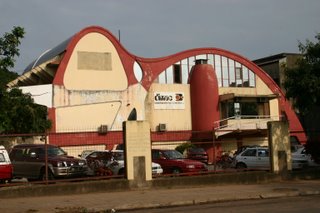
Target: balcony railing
column 242, row 122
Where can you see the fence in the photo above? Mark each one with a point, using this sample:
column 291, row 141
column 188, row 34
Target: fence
column 75, row 143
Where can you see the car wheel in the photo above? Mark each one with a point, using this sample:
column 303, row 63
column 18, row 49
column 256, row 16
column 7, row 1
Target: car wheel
column 176, row 171
column 43, row 175
column 241, row 166
column 121, row 171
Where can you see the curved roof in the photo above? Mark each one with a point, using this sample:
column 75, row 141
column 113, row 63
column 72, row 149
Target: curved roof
column 35, row 73
column 48, row 54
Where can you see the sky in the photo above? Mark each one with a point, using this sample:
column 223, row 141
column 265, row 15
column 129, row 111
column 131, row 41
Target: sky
column 156, row 28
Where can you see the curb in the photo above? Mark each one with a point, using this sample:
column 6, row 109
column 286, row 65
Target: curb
column 213, row 200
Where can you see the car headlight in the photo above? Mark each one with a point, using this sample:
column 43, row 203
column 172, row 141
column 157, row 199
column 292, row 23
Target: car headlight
column 82, row 163
column 60, row 164
column 190, row 166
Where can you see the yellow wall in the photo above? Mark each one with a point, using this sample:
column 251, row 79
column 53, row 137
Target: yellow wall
column 86, row 117
column 81, row 79
column 175, row 119
column 72, row 105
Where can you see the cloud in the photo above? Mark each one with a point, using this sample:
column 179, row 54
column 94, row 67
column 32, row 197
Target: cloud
column 152, row 28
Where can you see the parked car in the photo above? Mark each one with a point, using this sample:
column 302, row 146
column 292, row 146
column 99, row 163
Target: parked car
column 174, row 162
column 253, row 158
column 5, row 166
column 301, row 159
column 28, row 161
column 257, row 158
column 111, row 163
column 196, row 153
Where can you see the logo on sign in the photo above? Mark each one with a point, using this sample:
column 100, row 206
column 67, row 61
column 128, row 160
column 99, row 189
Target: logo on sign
column 169, row 100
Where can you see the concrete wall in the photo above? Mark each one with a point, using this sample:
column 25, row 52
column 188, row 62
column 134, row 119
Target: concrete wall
column 138, row 151
column 279, row 145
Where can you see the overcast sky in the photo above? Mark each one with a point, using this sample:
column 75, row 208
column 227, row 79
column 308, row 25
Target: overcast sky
column 155, row 28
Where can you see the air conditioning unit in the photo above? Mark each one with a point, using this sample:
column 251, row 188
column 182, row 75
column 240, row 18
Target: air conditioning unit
column 103, row 129
column 162, row 127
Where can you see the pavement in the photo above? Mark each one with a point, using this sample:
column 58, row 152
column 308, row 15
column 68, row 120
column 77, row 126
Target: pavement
column 158, row 198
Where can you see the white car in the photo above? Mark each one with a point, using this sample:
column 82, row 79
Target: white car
column 102, row 162
column 257, row 158
column 300, row 154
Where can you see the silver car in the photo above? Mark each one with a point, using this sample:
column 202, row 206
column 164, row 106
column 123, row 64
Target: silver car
column 253, row 158
column 257, row 158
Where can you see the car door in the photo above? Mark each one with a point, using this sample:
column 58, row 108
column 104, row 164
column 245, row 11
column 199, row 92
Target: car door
column 263, row 160
column 249, row 157
column 158, row 157
column 33, row 162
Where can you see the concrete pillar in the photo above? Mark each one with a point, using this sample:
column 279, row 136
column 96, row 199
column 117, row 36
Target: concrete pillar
column 138, row 152
column 279, row 144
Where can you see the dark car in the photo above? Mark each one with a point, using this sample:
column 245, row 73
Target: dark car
column 28, row 161
column 197, row 153
column 174, row 162
column 105, row 163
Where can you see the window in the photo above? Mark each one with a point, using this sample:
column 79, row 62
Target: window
column 2, row 159
column 250, row 152
column 225, row 72
column 232, row 73
column 177, row 74
column 237, row 110
column 241, row 108
column 263, row 153
column 239, row 76
column 249, row 108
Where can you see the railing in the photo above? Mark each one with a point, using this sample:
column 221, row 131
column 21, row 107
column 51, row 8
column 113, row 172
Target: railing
column 242, row 122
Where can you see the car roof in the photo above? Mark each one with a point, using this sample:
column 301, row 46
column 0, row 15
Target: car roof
column 32, row 145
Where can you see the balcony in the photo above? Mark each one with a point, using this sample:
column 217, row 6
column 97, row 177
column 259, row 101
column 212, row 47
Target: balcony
column 242, row 123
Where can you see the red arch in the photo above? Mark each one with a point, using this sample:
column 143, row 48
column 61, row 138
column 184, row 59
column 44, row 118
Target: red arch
column 126, row 58
column 152, row 67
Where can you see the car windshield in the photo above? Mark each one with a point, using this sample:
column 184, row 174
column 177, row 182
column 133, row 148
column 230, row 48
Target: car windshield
column 55, row 151
column 118, row 155
column 173, row 154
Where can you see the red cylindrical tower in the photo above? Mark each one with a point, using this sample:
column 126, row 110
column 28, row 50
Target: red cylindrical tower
column 204, row 96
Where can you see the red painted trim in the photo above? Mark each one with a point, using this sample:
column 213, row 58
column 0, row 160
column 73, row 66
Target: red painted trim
column 86, row 138
column 171, row 136
column 152, row 67
column 126, row 58
column 52, row 118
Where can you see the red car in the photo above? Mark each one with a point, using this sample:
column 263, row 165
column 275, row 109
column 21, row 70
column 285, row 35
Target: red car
column 5, row 166
column 197, row 153
column 174, row 162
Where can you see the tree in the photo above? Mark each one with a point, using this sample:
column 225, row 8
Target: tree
column 18, row 112
column 302, row 83
column 8, row 51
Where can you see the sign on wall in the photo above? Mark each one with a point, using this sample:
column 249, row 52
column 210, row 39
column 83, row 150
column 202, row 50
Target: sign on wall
column 169, row 100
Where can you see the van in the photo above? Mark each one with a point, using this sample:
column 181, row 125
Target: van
column 5, row 166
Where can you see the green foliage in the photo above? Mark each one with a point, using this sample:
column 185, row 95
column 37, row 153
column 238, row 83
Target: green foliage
column 19, row 114
column 8, row 51
column 184, row 146
column 302, row 83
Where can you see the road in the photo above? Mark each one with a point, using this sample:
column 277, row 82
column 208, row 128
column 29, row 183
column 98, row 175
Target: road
column 299, row 204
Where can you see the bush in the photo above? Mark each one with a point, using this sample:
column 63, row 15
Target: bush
column 184, row 146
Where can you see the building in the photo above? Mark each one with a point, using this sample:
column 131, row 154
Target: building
column 275, row 66
column 91, row 82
